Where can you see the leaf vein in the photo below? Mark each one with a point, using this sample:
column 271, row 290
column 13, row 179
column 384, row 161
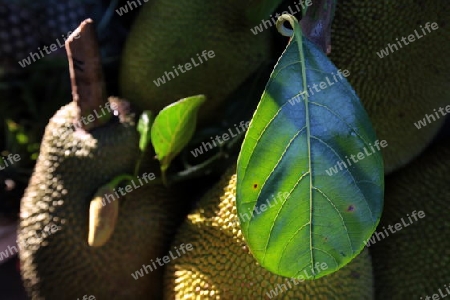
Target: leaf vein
column 265, row 181
column 351, row 175
column 340, row 215
column 289, row 241
column 342, row 120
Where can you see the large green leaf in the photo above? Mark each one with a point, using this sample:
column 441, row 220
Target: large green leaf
column 295, row 216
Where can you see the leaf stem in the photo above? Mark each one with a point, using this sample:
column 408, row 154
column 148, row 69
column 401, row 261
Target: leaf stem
column 86, row 75
column 138, row 163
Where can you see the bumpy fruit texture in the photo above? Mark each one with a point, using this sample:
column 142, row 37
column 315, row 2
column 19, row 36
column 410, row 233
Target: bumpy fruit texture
column 220, row 265
column 168, row 33
column 400, row 88
column 70, row 168
column 414, row 261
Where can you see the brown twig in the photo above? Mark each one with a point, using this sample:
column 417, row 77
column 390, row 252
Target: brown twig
column 86, row 76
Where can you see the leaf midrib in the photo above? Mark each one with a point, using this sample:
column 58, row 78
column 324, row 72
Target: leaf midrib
column 299, row 39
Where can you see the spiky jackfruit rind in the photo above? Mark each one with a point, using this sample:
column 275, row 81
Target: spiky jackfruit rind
column 400, row 88
column 167, row 34
column 411, row 258
column 71, row 166
column 220, row 266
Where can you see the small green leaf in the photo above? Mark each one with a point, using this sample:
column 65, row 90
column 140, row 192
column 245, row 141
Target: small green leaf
column 145, row 123
column 294, row 215
column 174, row 127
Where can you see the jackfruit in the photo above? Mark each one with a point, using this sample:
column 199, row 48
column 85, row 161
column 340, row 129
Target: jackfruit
column 220, row 266
column 71, row 166
column 412, row 260
column 214, row 37
column 398, row 84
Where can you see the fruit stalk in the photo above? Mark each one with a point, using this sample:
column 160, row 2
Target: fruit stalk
column 86, row 76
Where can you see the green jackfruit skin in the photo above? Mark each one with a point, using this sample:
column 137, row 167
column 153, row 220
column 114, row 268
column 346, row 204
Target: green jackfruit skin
column 414, row 261
column 400, row 88
column 70, row 168
column 220, row 265
column 168, row 33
